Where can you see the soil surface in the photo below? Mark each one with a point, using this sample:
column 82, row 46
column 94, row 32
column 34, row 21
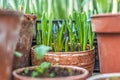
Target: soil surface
column 53, row 72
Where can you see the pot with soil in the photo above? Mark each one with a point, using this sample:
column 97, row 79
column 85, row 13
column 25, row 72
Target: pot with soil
column 52, row 73
column 10, row 23
column 25, row 41
column 107, row 27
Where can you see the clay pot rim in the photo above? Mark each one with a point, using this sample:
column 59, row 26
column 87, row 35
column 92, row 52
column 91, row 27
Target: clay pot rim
column 6, row 12
column 106, row 15
column 68, row 51
column 105, row 75
column 85, row 73
column 75, row 52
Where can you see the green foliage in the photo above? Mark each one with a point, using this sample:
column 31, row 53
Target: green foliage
column 68, row 33
column 103, row 6
column 49, row 29
column 26, row 71
column 45, row 65
column 106, row 6
column 41, row 50
column 82, row 29
column 18, row 54
column 60, row 8
column 40, row 69
column 66, row 44
column 71, row 72
column 34, row 74
column 44, row 29
column 72, row 34
column 58, row 40
column 38, row 38
column 51, row 75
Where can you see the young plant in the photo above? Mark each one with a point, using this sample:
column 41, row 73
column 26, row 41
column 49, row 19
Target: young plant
column 58, row 40
column 44, row 31
column 38, row 35
column 18, row 54
column 66, row 44
column 91, row 34
column 84, row 30
column 49, row 31
column 40, row 50
column 72, row 34
column 40, row 69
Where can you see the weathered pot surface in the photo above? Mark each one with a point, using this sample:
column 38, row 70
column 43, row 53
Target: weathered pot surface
column 83, row 59
column 10, row 22
column 77, row 77
column 25, row 41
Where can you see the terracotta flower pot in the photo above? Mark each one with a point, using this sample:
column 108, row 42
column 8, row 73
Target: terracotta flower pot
column 82, row 76
column 107, row 28
column 25, row 41
column 10, row 22
column 81, row 59
column 110, row 76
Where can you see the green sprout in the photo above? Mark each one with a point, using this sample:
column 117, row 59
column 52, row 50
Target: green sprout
column 18, row 54
column 41, row 50
column 51, row 75
column 26, row 71
column 40, row 69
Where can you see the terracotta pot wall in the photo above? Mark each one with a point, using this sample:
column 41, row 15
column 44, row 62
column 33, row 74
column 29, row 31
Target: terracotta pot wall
column 106, row 23
column 109, row 50
column 10, row 22
column 25, row 41
column 107, row 27
column 80, row 59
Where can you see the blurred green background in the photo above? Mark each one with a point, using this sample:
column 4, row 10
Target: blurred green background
column 61, row 9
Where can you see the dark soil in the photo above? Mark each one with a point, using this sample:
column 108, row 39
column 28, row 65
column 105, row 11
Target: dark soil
column 53, row 72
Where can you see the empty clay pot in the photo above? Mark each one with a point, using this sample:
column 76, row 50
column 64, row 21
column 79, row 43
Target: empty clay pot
column 107, row 27
column 82, row 76
column 25, row 41
column 10, row 23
